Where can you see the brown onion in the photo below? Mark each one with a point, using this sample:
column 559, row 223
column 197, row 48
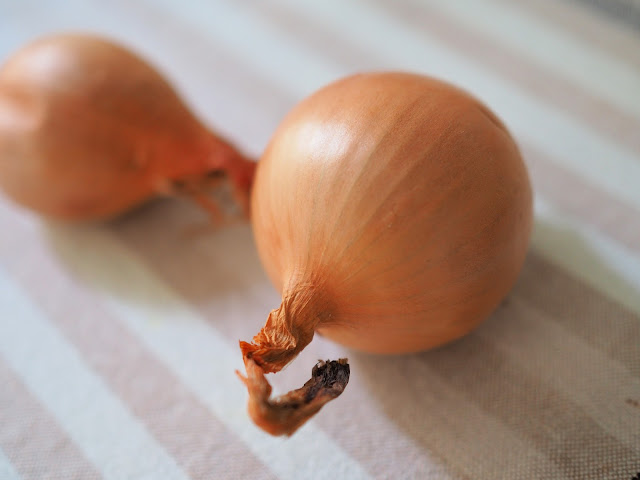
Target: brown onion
column 88, row 130
column 393, row 212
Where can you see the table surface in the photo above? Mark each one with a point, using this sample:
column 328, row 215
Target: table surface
column 118, row 342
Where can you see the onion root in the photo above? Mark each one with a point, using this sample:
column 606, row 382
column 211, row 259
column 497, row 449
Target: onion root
column 283, row 415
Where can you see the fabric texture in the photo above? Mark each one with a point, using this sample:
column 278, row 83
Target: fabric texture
column 118, row 341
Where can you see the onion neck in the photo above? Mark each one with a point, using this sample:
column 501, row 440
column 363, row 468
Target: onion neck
column 221, row 155
column 214, row 174
column 288, row 330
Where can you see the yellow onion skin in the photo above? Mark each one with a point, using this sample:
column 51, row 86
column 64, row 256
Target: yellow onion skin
column 88, row 130
column 392, row 211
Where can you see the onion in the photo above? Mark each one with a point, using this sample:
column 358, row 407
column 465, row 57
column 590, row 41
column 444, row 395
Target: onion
column 393, row 212
column 89, row 130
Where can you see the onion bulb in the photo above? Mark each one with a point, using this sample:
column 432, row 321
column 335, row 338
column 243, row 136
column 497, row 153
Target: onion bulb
column 393, row 213
column 89, row 130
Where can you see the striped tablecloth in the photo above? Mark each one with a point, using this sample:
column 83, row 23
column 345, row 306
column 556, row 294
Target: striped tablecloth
column 118, row 342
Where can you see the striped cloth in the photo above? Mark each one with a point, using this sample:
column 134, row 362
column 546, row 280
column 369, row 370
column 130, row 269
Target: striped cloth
column 118, row 342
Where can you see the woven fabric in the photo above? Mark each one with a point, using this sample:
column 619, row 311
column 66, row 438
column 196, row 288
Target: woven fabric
column 118, row 341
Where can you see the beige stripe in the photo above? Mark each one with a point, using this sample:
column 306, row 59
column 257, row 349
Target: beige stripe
column 625, row 12
column 199, row 442
column 604, row 75
column 614, row 218
column 524, row 72
column 588, row 26
column 582, row 310
column 32, row 439
column 542, row 345
column 525, row 403
column 555, row 90
column 439, row 421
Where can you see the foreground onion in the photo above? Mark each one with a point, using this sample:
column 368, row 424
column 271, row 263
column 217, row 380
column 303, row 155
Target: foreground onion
column 393, row 213
column 89, row 130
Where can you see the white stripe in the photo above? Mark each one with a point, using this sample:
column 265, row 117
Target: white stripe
column 279, row 57
column 286, row 62
column 601, row 262
column 583, row 63
column 7, row 471
column 191, row 347
column 101, row 426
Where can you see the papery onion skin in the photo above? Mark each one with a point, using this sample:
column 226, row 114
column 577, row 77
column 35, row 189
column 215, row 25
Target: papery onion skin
column 400, row 203
column 88, row 130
